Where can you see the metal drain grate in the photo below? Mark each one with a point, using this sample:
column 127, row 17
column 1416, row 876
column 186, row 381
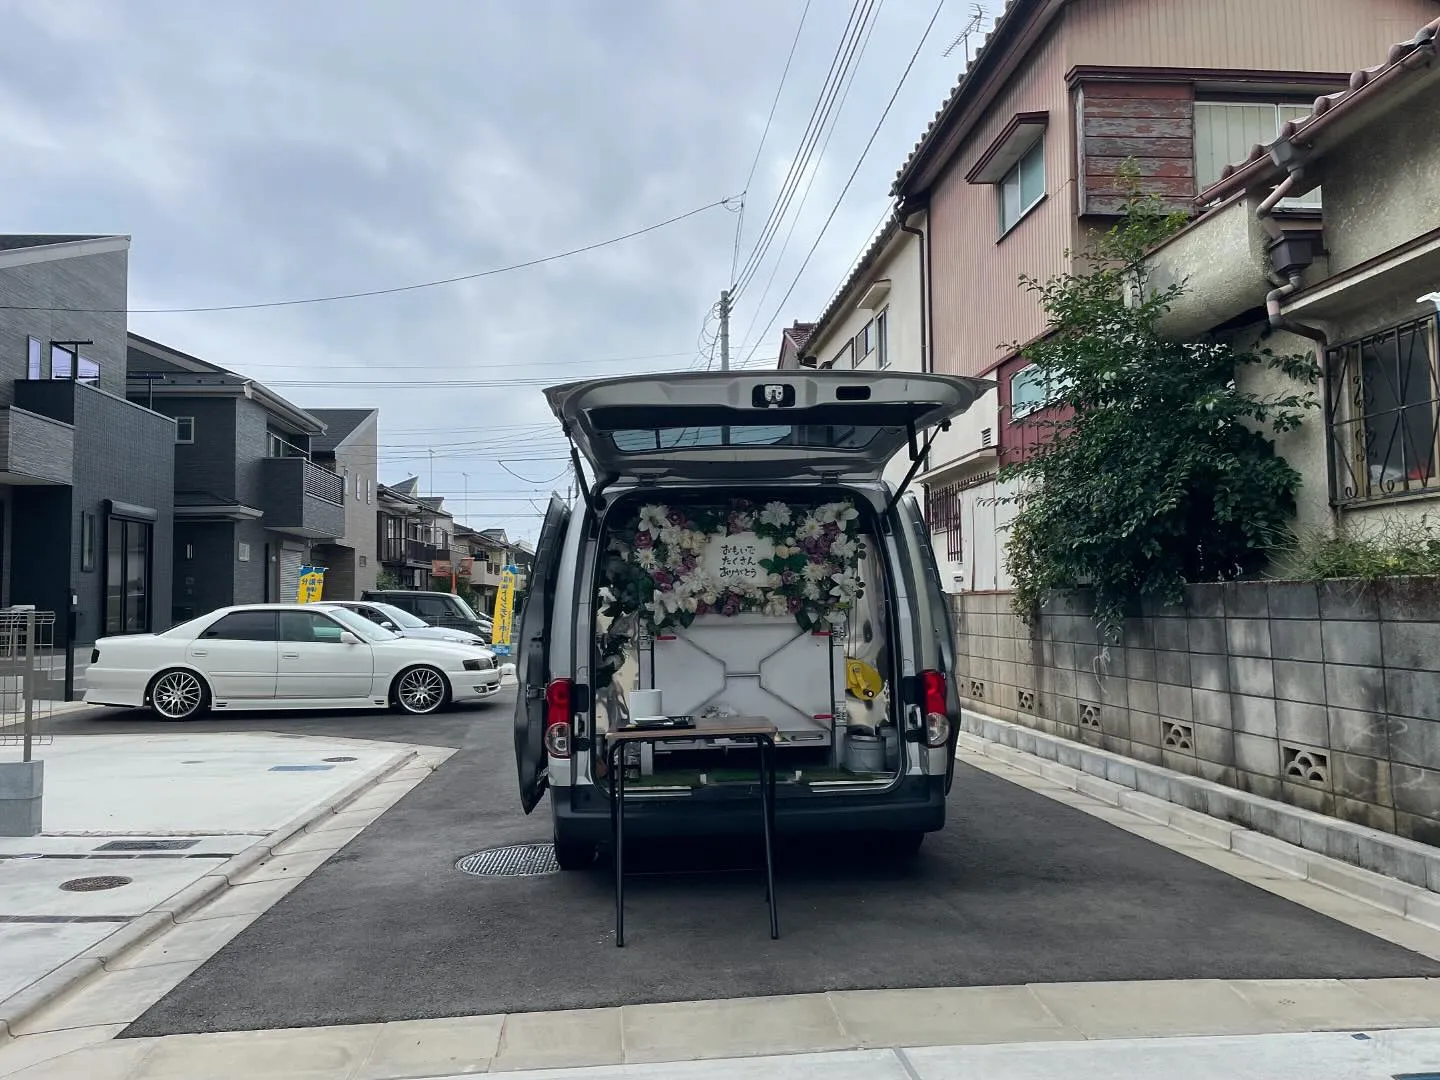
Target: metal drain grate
column 94, row 884
column 339, row 759
column 517, row 860
column 147, row 845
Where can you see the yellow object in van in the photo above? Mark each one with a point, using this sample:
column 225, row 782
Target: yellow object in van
column 862, row 680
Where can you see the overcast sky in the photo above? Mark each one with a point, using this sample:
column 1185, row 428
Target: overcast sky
column 263, row 150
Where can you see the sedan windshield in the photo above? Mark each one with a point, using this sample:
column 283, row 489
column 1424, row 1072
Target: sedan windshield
column 400, row 617
column 360, row 626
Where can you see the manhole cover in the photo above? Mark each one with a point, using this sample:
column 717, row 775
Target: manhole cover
column 339, row 759
column 147, row 845
column 94, row 884
column 517, row 860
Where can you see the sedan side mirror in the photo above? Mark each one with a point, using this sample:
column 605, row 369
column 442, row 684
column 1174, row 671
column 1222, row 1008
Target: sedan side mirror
column 387, row 624
column 348, row 638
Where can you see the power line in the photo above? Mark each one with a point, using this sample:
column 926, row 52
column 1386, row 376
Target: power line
column 810, row 183
column 740, row 223
column 801, row 160
column 387, row 291
column 855, row 171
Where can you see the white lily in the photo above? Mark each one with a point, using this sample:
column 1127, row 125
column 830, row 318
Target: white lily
column 775, row 514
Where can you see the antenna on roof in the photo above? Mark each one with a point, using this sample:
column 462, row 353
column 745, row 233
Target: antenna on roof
column 963, row 38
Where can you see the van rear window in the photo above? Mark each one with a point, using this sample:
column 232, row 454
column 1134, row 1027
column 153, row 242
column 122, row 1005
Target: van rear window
column 641, row 440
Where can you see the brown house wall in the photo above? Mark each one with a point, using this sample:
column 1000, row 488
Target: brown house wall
column 978, row 308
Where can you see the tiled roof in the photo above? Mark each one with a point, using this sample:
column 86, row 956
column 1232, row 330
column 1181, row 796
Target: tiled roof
column 339, row 423
column 1012, row 10
column 24, row 240
column 1363, row 83
column 862, row 266
column 799, row 334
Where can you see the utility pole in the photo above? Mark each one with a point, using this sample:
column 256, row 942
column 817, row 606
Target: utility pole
column 724, row 329
column 431, row 452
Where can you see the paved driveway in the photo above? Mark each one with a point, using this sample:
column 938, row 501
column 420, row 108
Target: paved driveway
column 1017, row 889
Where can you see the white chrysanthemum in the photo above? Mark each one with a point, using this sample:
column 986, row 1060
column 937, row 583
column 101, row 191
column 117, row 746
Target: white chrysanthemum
column 816, row 571
column 844, row 548
column 776, row 515
column 810, row 528
column 647, row 559
column 775, row 605
column 671, row 536
column 653, row 518
column 812, row 590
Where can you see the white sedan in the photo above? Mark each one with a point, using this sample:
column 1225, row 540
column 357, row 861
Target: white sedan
column 284, row 656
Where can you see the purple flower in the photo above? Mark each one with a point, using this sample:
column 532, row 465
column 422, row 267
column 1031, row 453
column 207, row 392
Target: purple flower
column 702, row 608
column 644, row 541
column 732, row 605
column 793, row 604
column 676, row 518
column 788, row 577
column 663, row 579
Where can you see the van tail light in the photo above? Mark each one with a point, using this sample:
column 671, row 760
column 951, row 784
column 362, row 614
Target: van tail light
column 557, row 718
column 937, row 722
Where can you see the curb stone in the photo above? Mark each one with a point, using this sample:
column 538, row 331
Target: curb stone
column 1402, row 876
column 20, row 1005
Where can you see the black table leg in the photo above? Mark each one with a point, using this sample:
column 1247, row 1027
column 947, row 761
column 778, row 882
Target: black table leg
column 617, row 836
column 767, row 806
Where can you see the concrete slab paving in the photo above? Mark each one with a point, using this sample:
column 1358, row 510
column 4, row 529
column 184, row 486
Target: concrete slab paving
column 1150, row 1009
column 194, row 942
column 250, row 899
column 112, row 997
column 117, row 1060
column 21, row 1053
column 460, row 1046
column 969, row 1014
column 560, row 1039
column 1315, row 1004
column 302, row 1054
column 682, row 1031
column 32, row 888
column 195, row 783
column 31, row 950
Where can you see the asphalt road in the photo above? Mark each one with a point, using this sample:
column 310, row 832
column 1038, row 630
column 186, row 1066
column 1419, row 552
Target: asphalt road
column 1016, row 889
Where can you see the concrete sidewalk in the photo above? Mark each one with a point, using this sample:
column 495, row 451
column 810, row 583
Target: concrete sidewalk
column 141, row 828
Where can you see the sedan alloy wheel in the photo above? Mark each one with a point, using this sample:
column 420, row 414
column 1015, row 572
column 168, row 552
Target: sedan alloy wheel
column 421, row 690
column 177, row 695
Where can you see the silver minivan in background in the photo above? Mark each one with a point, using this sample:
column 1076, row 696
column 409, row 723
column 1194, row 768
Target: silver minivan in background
column 736, row 553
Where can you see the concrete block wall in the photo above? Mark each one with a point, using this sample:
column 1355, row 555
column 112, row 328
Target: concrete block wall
column 1324, row 696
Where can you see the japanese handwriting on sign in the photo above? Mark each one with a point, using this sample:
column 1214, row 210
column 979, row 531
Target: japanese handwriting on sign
column 739, row 562
column 735, row 560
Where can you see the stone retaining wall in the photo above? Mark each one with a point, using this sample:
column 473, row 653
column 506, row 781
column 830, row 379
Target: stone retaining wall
column 1325, row 696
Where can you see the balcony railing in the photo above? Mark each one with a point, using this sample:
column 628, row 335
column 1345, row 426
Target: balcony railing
column 324, row 484
column 398, row 550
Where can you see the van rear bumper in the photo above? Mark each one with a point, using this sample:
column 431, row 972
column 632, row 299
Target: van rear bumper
column 916, row 804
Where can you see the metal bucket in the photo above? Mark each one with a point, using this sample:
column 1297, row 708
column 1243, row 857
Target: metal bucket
column 864, row 754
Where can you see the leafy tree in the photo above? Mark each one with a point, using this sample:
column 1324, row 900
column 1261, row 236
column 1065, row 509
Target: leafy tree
column 1154, row 467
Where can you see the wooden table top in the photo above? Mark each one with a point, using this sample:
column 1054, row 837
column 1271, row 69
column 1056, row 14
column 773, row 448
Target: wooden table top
column 748, row 728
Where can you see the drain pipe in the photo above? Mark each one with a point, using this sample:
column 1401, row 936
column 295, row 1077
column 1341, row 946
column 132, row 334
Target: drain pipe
column 1286, row 278
column 904, row 211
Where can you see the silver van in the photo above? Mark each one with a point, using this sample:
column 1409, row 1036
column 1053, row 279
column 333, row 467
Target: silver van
column 736, row 553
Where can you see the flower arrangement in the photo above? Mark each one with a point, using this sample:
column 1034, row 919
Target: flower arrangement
column 657, row 569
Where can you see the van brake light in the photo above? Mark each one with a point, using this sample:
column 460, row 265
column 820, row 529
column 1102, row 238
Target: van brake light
column 937, row 722
column 557, row 718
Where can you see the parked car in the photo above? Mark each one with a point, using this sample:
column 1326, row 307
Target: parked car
column 284, row 656
column 436, row 608
column 696, row 464
column 401, row 622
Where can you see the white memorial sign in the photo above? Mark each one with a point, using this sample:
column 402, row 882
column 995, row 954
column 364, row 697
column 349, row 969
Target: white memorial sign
column 735, row 560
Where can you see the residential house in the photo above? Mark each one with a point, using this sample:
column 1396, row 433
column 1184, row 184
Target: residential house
column 414, row 533
column 350, row 448
column 1356, row 284
column 85, row 475
column 1021, row 166
column 487, row 550
column 249, row 502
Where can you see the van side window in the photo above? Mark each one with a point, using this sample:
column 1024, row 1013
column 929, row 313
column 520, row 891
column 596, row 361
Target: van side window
column 431, row 607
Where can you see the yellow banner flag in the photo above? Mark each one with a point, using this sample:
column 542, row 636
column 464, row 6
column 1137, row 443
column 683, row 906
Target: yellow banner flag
column 312, row 584
column 504, row 613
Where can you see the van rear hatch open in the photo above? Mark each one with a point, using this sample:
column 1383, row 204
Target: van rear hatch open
column 775, row 425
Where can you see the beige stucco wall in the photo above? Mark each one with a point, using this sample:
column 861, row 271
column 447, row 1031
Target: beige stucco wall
column 1389, row 187
column 359, row 457
column 900, row 264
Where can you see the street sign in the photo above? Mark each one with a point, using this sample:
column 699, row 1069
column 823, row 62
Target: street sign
column 312, row 585
column 504, row 613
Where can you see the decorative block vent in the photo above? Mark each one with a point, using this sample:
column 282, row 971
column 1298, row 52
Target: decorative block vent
column 1175, row 736
column 1027, row 700
column 977, row 690
column 1308, row 766
column 1090, row 716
